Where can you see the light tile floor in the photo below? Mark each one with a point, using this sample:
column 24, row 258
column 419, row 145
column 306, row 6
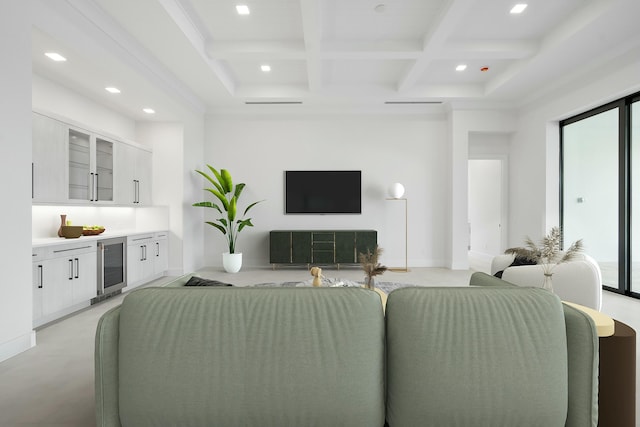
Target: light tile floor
column 52, row 384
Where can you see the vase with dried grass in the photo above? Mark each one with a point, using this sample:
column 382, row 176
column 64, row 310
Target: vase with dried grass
column 371, row 266
column 548, row 254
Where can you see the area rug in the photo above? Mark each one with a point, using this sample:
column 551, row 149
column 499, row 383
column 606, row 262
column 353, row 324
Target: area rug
column 385, row 287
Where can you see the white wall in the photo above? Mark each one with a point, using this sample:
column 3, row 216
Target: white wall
column 15, row 174
column 409, row 150
column 51, row 97
column 534, row 156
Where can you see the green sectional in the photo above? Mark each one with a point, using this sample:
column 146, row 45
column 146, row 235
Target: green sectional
column 289, row 357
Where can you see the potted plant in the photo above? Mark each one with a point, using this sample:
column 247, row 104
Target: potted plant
column 226, row 203
column 547, row 253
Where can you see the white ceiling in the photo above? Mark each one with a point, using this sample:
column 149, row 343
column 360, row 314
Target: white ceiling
column 329, row 55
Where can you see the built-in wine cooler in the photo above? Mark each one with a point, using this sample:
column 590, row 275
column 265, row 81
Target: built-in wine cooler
column 112, row 267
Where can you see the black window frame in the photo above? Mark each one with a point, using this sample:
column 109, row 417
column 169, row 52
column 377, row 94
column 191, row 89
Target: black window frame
column 624, row 185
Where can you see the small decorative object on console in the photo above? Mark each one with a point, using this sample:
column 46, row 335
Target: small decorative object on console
column 371, row 266
column 316, row 272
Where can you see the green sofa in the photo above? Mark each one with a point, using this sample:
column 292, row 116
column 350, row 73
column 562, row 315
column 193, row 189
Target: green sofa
column 475, row 356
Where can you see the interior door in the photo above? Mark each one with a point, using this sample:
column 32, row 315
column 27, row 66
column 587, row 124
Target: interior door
column 485, row 206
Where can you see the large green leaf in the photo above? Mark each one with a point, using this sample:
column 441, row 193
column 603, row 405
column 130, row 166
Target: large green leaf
column 231, row 214
column 238, row 190
column 250, row 206
column 211, row 180
column 244, row 223
column 219, row 196
column 226, row 181
column 222, row 229
column 208, row 205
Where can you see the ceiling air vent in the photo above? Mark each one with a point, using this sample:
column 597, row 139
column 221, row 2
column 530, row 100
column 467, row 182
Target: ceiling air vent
column 413, row 102
column 272, row 102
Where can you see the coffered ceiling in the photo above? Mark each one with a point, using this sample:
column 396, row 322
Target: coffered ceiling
column 332, row 55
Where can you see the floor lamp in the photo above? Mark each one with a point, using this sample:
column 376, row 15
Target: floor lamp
column 396, row 191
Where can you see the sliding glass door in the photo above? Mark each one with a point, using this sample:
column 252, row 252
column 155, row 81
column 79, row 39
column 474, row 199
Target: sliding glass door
column 590, row 191
column 600, row 189
column 635, row 196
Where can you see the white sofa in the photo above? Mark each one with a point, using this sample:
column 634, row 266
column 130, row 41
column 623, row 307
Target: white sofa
column 578, row 281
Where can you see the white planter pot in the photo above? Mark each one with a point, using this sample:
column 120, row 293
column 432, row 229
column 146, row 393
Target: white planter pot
column 232, row 262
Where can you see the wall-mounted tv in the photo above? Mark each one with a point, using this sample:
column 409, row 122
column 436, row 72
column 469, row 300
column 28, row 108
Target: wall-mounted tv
column 323, row 192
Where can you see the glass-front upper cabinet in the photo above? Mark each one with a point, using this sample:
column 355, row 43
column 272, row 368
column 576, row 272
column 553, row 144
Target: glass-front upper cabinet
column 104, row 170
column 90, row 167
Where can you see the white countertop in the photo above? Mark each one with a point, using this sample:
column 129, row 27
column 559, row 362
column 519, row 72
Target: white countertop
column 48, row 241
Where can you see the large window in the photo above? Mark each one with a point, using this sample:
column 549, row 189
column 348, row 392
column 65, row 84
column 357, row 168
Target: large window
column 600, row 181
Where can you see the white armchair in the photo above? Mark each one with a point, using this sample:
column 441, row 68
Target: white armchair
column 578, row 281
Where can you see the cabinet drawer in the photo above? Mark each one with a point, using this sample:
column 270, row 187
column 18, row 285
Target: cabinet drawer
column 322, row 237
column 323, row 246
column 71, row 250
column 323, row 257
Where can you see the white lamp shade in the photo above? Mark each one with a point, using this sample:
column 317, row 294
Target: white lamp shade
column 396, row 190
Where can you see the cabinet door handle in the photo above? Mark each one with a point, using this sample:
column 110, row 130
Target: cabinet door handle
column 40, row 281
column 145, row 252
column 70, row 269
column 95, row 194
column 157, row 249
column 32, row 176
column 141, row 252
column 136, row 191
column 77, row 268
column 90, row 189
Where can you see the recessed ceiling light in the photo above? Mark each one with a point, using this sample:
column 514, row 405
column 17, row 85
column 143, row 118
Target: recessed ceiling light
column 55, row 56
column 243, row 9
column 519, row 8
column 461, row 67
column 149, row 110
column 266, row 68
column 112, row 89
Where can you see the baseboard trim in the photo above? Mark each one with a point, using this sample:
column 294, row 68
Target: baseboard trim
column 17, row 345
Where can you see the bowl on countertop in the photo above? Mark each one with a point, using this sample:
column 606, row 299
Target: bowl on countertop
column 92, row 232
column 71, row 231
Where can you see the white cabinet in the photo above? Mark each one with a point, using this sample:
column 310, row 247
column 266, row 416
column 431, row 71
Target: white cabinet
column 140, row 259
column 90, row 167
column 147, row 257
column 161, row 254
column 48, row 160
column 73, row 165
column 133, row 175
column 64, row 280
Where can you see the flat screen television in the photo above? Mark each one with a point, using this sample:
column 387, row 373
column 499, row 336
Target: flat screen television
column 323, row 192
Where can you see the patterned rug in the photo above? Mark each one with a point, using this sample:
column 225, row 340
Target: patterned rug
column 385, row 287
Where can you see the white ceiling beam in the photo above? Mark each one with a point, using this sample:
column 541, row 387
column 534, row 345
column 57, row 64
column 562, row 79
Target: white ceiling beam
column 272, row 50
column 311, row 24
column 447, row 91
column 434, row 41
column 488, row 49
column 178, row 11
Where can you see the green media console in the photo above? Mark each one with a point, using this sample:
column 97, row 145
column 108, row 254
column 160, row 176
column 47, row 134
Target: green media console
column 319, row 246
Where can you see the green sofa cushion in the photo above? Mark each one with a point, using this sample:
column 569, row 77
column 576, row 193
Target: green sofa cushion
column 251, row 357
column 476, row 357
